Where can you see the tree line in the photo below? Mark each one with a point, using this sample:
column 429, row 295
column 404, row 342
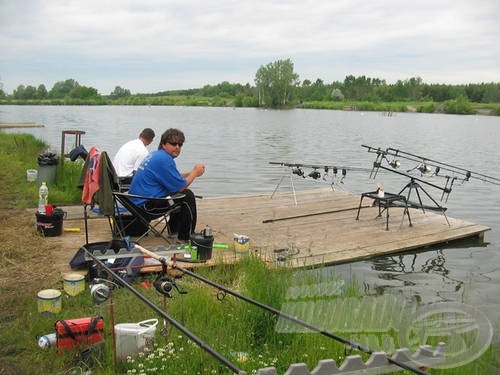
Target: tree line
column 276, row 86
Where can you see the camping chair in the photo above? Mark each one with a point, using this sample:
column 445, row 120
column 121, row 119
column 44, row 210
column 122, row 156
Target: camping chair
column 149, row 219
column 98, row 180
column 101, row 186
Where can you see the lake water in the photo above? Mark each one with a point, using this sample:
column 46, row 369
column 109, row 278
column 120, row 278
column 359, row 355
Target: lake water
column 238, row 144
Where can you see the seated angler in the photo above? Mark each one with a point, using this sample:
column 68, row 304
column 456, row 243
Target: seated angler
column 158, row 177
column 130, row 155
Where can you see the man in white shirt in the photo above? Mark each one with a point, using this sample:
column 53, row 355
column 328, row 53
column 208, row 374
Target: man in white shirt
column 130, row 155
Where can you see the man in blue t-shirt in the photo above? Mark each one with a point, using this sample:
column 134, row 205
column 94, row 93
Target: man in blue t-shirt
column 158, row 177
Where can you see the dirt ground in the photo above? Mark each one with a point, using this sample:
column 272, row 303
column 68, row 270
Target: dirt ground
column 31, row 262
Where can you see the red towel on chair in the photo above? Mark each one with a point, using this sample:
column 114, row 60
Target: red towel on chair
column 91, row 184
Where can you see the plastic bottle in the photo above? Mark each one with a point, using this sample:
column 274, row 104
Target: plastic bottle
column 43, row 197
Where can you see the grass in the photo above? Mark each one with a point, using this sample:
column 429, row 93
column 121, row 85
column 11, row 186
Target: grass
column 244, row 334
column 19, row 153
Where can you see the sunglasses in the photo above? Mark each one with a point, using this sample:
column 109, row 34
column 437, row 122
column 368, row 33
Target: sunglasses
column 176, row 144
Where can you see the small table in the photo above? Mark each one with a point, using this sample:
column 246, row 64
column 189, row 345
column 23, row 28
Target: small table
column 388, row 200
column 78, row 140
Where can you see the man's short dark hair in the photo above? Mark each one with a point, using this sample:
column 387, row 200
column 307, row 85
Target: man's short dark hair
column 171, row 135
column 148, row 134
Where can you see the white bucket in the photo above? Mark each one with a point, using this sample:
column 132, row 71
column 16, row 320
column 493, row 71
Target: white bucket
column 31, row 175
column 74, row 284
column 132, row 338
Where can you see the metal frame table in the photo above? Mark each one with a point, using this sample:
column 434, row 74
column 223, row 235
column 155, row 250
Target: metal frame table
column 384, row 202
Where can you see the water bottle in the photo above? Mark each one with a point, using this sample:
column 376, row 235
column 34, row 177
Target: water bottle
column 43, row 197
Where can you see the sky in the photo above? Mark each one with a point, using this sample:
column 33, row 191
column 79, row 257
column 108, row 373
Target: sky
column 148, row 46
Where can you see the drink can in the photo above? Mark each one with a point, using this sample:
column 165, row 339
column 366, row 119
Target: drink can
column 46, row 341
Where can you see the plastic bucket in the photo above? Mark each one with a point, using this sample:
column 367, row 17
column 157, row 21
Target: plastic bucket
column 50, row 226
column 203, row 244
column 132, row 338
column 49, row 302
column 73, row 283
column 241, row 243
column 31, row 175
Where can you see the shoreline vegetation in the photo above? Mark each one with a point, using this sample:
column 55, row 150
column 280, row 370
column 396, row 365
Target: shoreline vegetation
column 459, row 106
column 277, row 86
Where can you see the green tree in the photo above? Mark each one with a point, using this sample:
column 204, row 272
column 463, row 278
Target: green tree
column 63, row 89
column 437, row 92
column 119, row 92
column 275, row 83
column 30, row 92
column 491, row 93
column 41, row 92
column 319, row 90
column 305, row 91
column 361, row 88
column 409, row 89
column 19, row 92
column 337, row 95
column 84, row 92
column 2, row 93
column 25, row 92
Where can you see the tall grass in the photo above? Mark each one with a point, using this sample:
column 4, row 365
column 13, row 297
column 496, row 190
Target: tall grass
column 244, row 334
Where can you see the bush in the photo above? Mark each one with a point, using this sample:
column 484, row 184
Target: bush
column 427, row 108
column 459, row 106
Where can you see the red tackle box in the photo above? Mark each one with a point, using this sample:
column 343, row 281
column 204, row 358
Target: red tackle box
column 79, row 333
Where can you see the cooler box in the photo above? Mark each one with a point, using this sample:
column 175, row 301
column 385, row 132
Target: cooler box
column 78, row 333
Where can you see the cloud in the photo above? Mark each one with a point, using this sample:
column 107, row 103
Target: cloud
column 156, row 45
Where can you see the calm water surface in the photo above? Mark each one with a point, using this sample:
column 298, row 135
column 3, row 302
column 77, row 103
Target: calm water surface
column 238, row 144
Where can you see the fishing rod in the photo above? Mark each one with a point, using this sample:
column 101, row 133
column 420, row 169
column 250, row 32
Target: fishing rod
column 333, row 172
column 167, row 317
column 312, row 214
column 297, row 168
column 451, row 168
column 424, row 165
column 444, row 189
column 278, row 312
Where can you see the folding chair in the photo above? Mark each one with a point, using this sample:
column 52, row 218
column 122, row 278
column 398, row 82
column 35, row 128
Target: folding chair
column 102, row 186
column 98, row 180
column 148, row 218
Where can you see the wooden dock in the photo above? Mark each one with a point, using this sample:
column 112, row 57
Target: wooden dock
column 321, row 229
column 10, row 125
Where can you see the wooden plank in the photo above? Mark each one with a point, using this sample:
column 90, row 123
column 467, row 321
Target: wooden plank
column 7, row 125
